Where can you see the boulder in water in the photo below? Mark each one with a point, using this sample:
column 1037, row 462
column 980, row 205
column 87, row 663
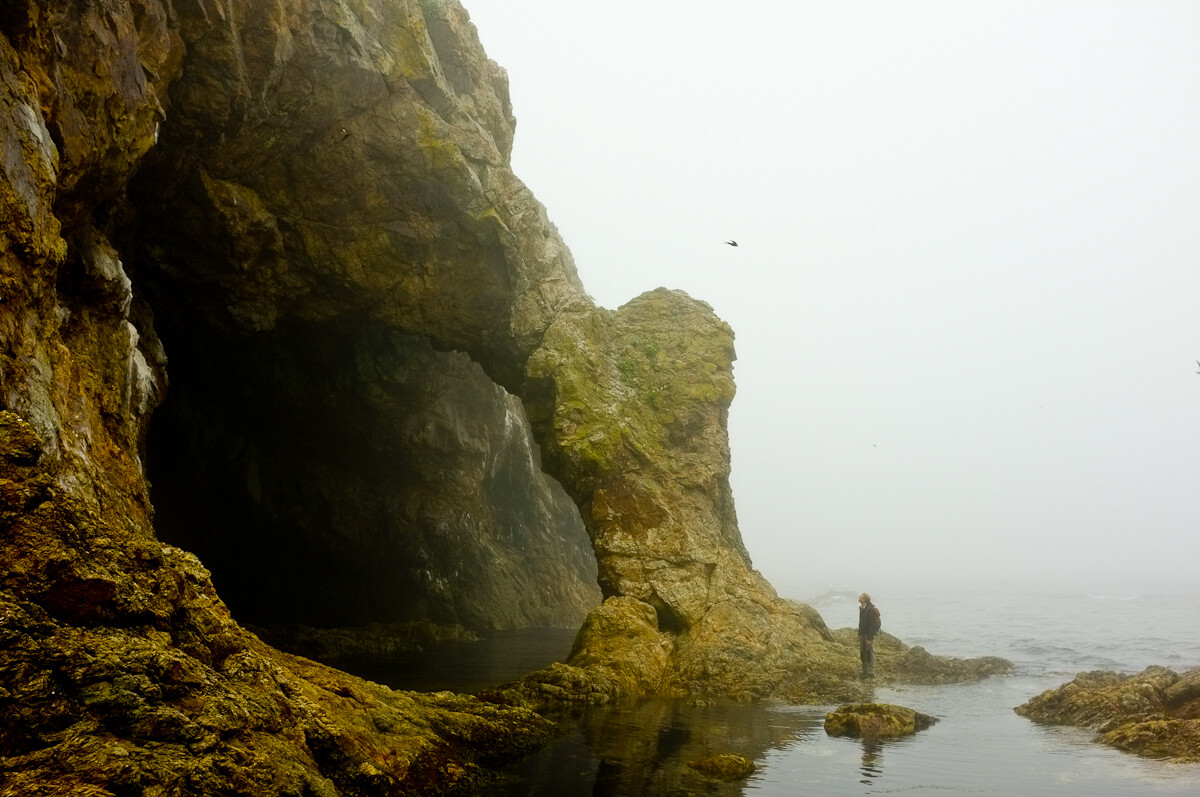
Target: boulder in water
column 873, row 720
column 1155, row 713
column 724, row 767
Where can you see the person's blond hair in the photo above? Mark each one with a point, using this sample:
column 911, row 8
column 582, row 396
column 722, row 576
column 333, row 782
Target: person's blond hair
column 865, row 597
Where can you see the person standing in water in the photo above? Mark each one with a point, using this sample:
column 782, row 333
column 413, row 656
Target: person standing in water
column 868, row 627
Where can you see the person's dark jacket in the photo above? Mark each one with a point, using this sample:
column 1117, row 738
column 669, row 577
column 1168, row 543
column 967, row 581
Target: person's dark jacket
column 868, row 621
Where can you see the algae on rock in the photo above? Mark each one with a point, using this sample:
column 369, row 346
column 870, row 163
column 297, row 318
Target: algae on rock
column 875, row 721
column 1154, row 713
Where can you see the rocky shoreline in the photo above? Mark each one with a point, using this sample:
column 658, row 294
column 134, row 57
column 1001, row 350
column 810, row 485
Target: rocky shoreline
column 270, row 290
column 1154, row 713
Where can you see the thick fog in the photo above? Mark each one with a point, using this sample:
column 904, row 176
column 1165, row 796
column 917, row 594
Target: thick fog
column 966, row 290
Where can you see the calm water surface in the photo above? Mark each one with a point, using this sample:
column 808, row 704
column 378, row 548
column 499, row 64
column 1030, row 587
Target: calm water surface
column 979, row 746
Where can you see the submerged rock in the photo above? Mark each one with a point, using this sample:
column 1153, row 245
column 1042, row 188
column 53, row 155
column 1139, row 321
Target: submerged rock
column 1155, row 713
column 725, row 767
column 875, row 720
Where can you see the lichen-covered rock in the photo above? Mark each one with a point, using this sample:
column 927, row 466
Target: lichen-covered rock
column 631, row 408
column 634, row 416
column 875, row 720
column 343, row 266
column 1155, row 713
column 622, row 637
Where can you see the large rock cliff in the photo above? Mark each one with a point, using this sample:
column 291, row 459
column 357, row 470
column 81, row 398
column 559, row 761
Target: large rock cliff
column 270, row 291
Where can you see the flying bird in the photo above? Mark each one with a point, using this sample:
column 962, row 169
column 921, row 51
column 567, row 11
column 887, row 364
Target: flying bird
column 732, row 243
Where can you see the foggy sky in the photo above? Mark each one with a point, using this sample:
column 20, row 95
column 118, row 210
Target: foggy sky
column 967, row 282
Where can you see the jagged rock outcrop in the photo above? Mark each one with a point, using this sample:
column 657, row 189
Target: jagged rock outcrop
column 632, row 406
column 1155, row 713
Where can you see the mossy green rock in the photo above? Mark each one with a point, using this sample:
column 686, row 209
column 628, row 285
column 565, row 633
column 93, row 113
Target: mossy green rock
column 875, row 720
column 631, row 409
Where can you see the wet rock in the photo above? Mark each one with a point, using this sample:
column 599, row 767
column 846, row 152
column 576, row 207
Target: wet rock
column 19, row 444
column 725, row 767
column 875, row 720
column 1155, row 713
column 1183, row 692
column 120, row 666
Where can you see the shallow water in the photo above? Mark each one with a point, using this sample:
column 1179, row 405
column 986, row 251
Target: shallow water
column 979, row 746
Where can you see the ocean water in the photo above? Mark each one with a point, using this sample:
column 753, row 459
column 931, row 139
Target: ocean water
column 979, row 745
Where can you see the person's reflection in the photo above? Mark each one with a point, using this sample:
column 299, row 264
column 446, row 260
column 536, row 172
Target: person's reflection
column 872, row 760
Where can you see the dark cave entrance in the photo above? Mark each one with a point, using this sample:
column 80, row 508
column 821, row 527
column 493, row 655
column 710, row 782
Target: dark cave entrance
column 338, row 473
column 238, row 457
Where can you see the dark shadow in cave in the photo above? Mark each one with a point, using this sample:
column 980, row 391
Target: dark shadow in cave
column 339, row 473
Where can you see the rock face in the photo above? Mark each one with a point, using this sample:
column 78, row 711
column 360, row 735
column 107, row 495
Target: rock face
column 1155, row 713
column 121, row 670
column 631, row 406
column 320, row 449
column 875, row 721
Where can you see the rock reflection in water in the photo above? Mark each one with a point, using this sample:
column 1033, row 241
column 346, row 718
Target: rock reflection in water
column 645, row 748
column 872, row 760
